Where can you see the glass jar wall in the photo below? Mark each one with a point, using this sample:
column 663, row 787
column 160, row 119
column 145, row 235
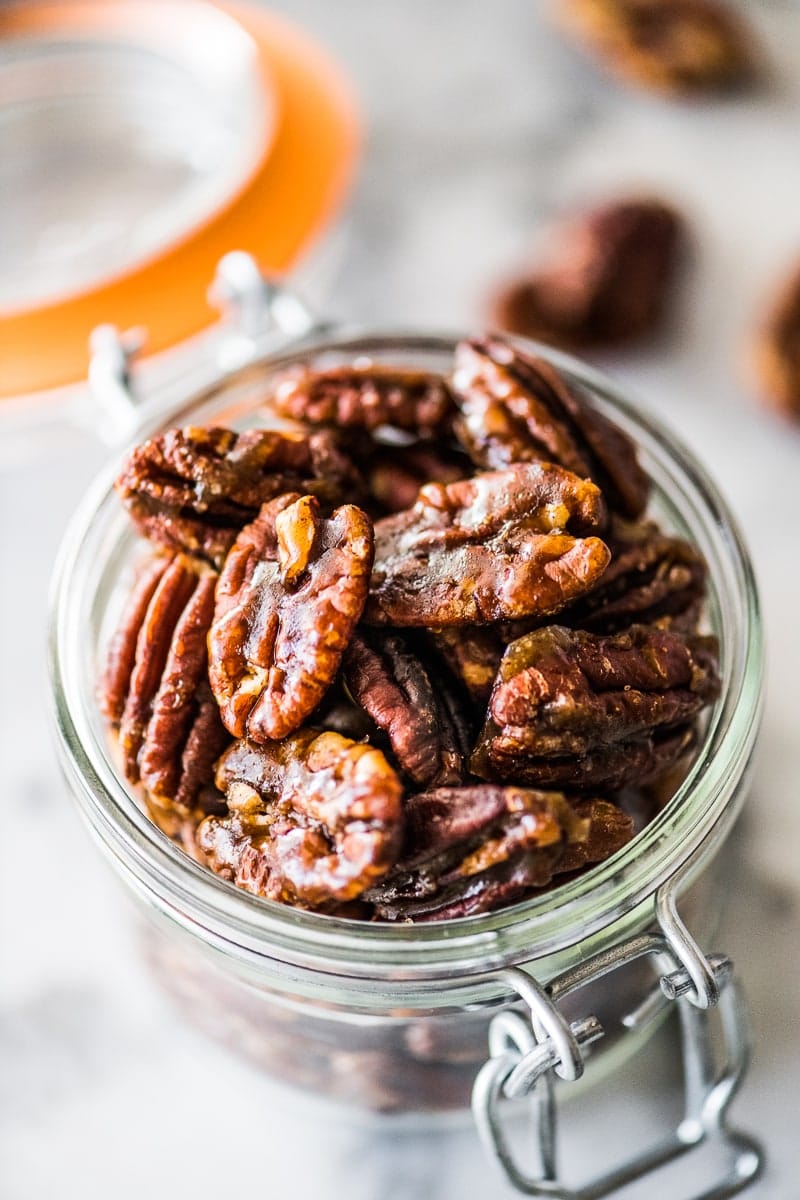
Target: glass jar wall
column 395, row 1018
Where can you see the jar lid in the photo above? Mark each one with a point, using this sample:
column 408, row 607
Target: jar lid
column 143, row 139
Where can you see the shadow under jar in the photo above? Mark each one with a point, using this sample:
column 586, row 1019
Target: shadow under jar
column 395, row 1018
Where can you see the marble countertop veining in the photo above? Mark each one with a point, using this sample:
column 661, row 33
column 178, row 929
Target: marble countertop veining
column 481, row 122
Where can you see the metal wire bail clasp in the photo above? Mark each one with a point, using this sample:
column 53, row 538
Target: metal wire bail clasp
column 525, row 1053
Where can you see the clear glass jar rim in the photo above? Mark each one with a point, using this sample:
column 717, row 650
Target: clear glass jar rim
column 225, row 916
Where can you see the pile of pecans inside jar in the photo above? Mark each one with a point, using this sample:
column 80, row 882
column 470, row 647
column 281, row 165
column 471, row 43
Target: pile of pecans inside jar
column 415, row 655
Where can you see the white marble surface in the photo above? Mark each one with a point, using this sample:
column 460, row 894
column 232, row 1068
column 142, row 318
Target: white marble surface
column 481, row 122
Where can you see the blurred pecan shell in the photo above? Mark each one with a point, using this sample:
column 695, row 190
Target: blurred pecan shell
column 683, row 47
column 606, row 280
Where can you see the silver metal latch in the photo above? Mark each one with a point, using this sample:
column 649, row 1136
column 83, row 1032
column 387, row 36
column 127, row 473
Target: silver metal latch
column 526, row 1052
column 258, row 317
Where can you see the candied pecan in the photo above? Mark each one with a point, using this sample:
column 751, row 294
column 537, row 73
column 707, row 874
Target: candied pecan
column 390, row 682
column 504, row 544
column 644, row 759
column 468, row 847
column 193, row 489
column 121, row 653
column 396, row 473
column 683, row 47
column 516, row 408
column 777, row 350
column 609, row 829
column 605, row 281
column 593, row 706
column 364, row 396
column 289, row 597
column 653, row 577
column 473, row 654
column 314, row 819
column 155, row 684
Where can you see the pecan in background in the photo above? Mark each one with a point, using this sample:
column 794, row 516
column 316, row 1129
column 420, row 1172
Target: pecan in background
column 606, row 280
column 777, row 350
column 683, row 47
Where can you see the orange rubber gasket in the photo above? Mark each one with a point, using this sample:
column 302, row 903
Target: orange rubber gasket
column 294, row 192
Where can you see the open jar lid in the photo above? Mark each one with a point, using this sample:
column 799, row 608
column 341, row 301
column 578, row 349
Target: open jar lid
column 142, row 141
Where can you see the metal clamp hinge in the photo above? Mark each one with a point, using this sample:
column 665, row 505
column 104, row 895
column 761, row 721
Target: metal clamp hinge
column 525, row 1054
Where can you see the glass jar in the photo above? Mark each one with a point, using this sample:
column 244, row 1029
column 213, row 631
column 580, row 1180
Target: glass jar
column 396, row 1018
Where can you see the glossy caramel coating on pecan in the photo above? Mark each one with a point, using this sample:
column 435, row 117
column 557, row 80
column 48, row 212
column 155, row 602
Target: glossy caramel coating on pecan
column 314, row 819
column 518, row 408
column 194, row 489
column 777, row 350
column 289, row 597
column 501, row 545
column 571, row 696
column 155, row 686
column 365, row 397
column 404, row 697
column 653, row 578
column 467, row 847
column 682, row 47
column 606, row 279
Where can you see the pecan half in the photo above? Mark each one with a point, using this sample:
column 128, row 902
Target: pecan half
column 653, row 578
column 193, row 489
column 517, row 408
column 418, row 713
column 156, row 690
column 495, row 547
column 606, row 279
column 609, row 829
column 684, row 47
column 314, row 819
column 291, row 593
column 777, row 350
column 367, row 397
column 473, row 849
column 593, row 706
